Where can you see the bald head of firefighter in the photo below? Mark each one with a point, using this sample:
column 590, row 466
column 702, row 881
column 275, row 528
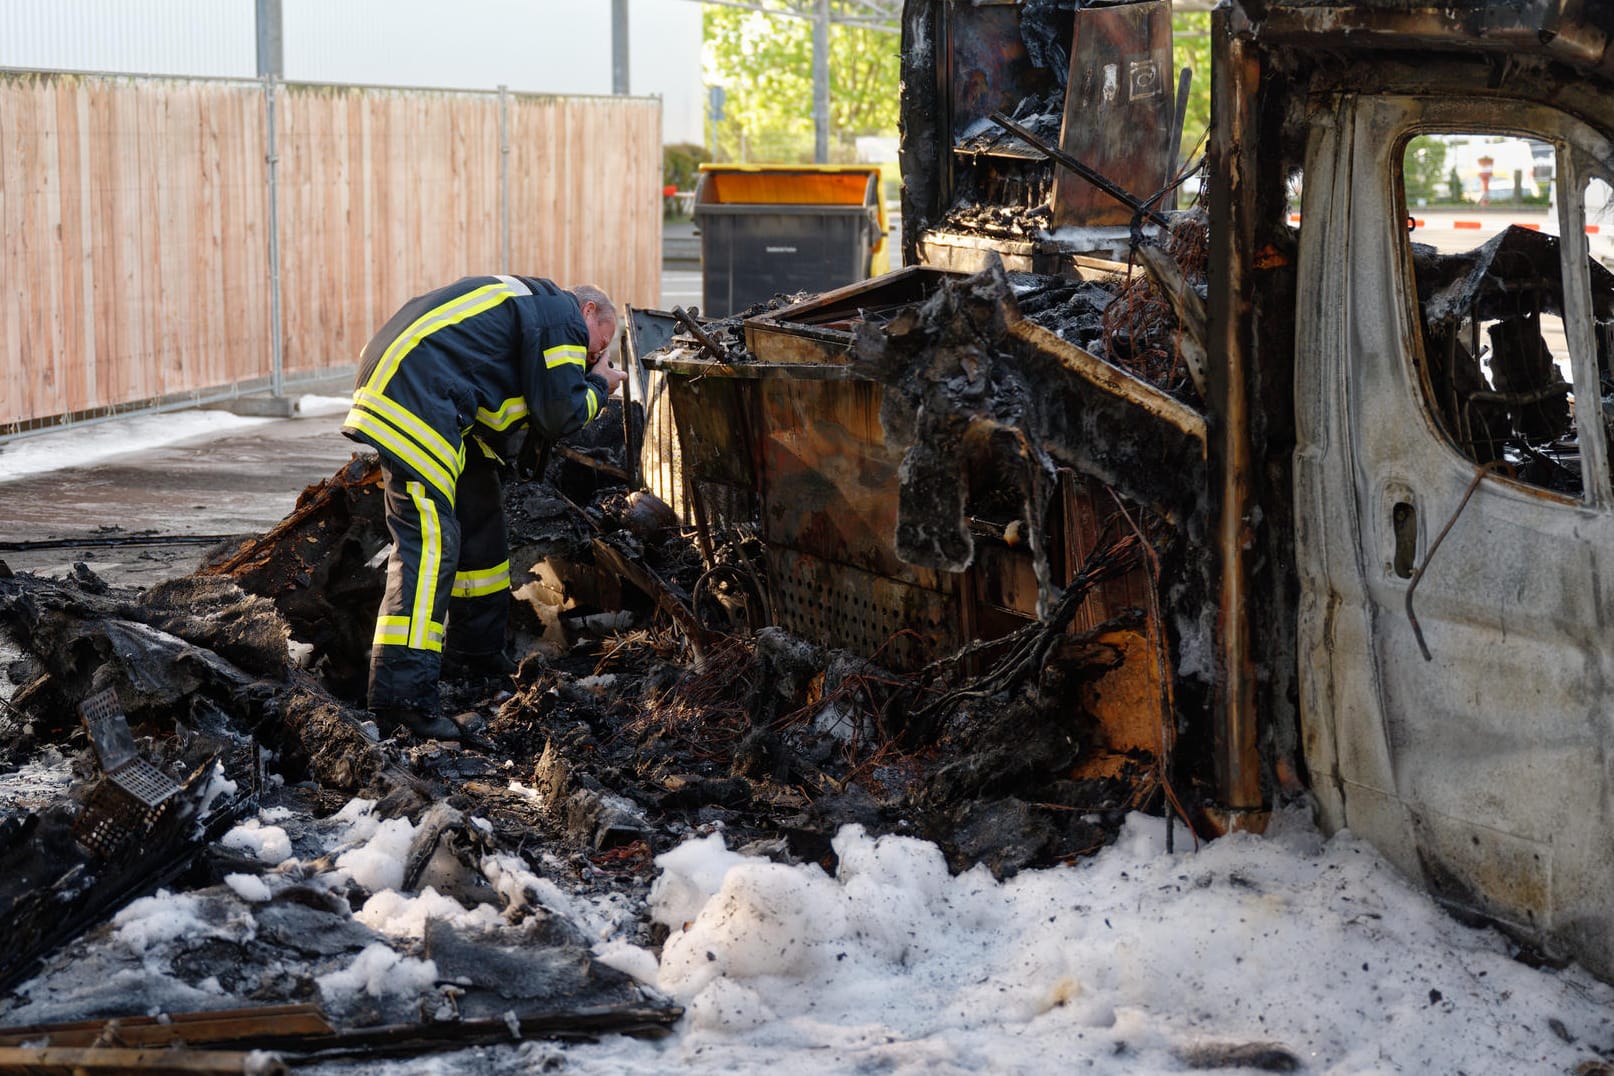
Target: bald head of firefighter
column 599, row 314
column 446, row 392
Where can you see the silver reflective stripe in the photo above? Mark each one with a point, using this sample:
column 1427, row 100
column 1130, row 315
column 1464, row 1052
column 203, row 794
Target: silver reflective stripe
column 517, row 284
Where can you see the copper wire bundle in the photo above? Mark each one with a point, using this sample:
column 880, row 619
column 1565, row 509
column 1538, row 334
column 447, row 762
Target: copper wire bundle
column 1141, row 334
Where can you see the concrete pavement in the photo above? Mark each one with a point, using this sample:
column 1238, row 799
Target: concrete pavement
column 145, row 505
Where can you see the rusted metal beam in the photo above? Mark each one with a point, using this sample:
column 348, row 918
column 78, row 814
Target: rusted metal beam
column 1570, row 31
column 1111, row 378
column 693, row 328
column 73, row 1061
column 204, row 1028
column 1235, row 86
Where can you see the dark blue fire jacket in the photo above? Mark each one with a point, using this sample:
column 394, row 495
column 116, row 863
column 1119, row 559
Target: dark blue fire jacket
column 479, row 359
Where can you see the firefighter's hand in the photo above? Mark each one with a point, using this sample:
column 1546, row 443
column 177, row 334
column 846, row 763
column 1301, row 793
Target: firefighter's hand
column 530, row 460
column 613, row 377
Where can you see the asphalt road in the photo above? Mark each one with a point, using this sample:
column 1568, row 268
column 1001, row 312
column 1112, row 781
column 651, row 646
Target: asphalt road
column 240, row 483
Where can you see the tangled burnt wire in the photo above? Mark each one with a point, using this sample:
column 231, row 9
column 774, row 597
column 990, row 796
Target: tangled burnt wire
column 1026, row 650
column 1141, row 333
column 784, row 688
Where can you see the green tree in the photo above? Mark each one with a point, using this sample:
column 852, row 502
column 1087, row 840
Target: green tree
column 1423, row 169
column 1191, row 48
column 765, row 65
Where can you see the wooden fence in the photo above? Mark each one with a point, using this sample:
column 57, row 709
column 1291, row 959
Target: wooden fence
column 135, row 254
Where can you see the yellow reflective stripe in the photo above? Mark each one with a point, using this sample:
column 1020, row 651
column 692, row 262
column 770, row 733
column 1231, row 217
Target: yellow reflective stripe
column 509, row 412
column 483, row 581
column 400, row 636
column 392, row 631
column 405, row 449
column 452, row 312
column 565, row 354
column 431, row 558
column 593, row 404
column 407, row 422
column 395, row 631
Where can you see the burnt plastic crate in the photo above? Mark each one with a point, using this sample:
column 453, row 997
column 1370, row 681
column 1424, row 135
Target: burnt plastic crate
column 768, row 230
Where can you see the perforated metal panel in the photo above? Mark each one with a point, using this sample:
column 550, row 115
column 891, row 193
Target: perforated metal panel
column 133, row 795
column 902, row 626
column 114, row 817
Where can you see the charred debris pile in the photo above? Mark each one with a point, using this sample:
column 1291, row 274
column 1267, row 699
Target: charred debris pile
column 656, row 698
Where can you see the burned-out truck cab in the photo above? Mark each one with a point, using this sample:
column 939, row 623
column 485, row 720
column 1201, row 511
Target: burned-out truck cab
column 1407, row 512
column 1451, row 502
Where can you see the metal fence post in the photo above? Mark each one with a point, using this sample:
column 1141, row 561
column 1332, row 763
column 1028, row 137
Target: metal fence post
column 277, row 372
column 504, row 175
column 271, row 59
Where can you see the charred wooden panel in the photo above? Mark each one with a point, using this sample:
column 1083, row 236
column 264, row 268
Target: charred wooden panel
column 1118, row 107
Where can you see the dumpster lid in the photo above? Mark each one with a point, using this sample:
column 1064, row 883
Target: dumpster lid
column 794, row 184
column 753, row 185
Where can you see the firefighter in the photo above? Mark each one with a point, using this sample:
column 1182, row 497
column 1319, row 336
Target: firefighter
column 445, row 392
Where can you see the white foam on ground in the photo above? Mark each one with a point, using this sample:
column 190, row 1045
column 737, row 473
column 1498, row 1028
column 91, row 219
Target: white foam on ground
column 378, row 863
column 378, row 971
column 1125, row 963
column 309, row 406
column 269, row 844
column 393, row 913
column 93, row 443
column 249, row 887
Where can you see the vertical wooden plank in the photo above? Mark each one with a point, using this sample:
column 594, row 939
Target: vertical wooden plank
column 210, row 226
column 135, row 159
column 360, row 282
column 105, row 272
column 28, row 212
column 215, row 360
column 15, row 99
column 109, row 372
column 293, row 129
column 254, row 268
column 177, row 329
column 66, row 267
column 137, row 153
column 82, row 278
column 372, row 221
column 232, row 215
column 318, row 334
column 11, row 103
column 56, row 374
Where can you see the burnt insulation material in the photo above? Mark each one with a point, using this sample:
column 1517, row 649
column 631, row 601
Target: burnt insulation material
column 1045, row 27
column 954, row 378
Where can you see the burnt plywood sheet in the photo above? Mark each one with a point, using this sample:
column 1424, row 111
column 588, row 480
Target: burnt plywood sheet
column 1117, row 110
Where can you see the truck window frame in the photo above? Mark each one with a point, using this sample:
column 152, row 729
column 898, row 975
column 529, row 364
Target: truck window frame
column 1571, row 140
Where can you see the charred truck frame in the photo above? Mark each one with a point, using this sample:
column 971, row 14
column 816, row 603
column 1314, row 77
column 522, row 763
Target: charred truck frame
column 1379, row 540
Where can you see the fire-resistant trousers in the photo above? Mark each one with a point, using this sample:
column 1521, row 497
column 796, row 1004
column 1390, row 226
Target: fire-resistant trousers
column 448, row 580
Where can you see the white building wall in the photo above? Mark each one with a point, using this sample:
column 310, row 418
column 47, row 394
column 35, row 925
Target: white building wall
column 664, row 58
column 158, row 37
column 538, row 46
column 534, row 46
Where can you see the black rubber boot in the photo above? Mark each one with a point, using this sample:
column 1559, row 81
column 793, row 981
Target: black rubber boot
column 428, row 726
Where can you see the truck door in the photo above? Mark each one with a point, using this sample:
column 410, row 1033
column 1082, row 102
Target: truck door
column 1456, row 400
